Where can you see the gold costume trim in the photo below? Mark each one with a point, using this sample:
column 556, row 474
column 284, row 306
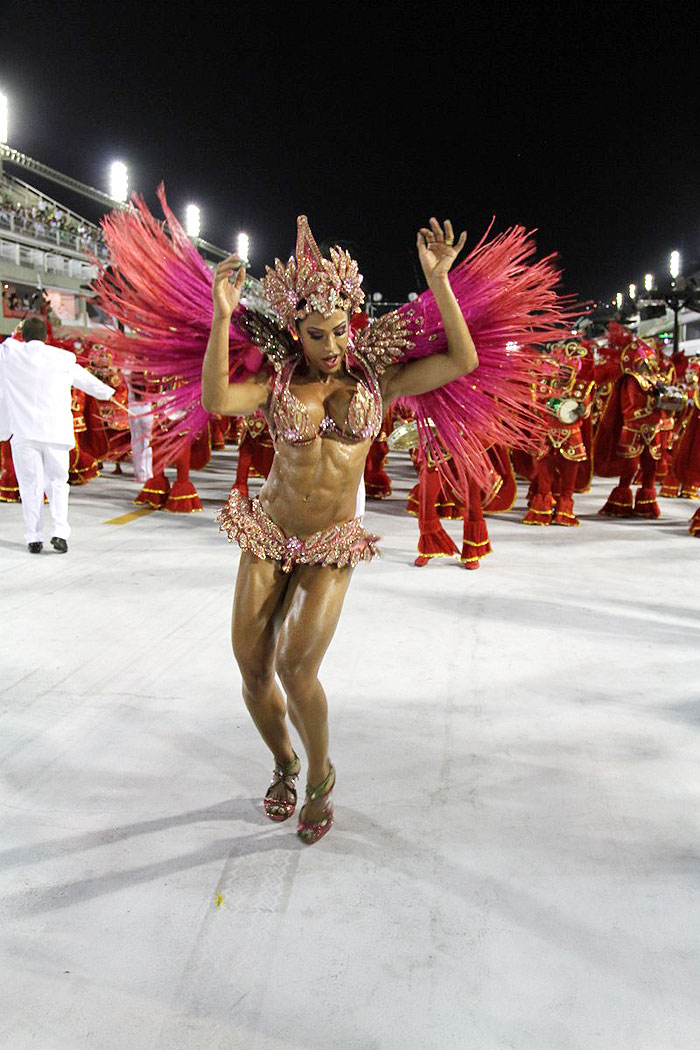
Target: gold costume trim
column 245, row 521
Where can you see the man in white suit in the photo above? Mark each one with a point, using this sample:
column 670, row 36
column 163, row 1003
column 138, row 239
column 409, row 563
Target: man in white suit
column 35, row 400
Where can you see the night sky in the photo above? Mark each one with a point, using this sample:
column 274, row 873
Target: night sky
column 370, row 118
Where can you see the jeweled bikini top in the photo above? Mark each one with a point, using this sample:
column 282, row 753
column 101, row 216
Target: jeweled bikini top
column 289, row 417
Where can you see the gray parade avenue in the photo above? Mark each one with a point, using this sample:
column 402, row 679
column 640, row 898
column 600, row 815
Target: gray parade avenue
column 515, row 860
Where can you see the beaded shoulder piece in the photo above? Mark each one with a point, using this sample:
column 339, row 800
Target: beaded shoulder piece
column 384, row 342
column 274, row 342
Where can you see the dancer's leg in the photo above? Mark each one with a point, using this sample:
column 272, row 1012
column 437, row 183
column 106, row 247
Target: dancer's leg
column 312, row 607
column 257, row 606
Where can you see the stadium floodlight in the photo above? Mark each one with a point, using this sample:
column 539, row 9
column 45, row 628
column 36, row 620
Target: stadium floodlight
column 674, row 264
column 119, row 181
column 242, row 246
column 632, row 291
column 192, row 220
column 4, row 125
column 648, row 282
column 618, row 300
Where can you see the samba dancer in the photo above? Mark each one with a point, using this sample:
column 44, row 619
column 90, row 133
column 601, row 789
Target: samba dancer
column 323, row 415
column 323, row 390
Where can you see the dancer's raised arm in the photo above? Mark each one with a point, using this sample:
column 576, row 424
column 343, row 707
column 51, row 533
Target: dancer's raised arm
column 437, row 252
column 218, row 394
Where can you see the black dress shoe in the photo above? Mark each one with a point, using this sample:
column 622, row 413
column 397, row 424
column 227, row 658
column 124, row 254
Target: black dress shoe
column 35, row 548
column 59, row 544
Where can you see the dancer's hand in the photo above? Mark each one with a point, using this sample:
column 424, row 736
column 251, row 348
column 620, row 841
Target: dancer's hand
column 227, row 294
column 437, row 250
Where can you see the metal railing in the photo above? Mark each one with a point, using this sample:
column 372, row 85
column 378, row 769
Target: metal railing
column 60, row 237
column 49, row 261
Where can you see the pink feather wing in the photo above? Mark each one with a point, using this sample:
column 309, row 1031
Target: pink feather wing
column 158, row 287
column 510, row 302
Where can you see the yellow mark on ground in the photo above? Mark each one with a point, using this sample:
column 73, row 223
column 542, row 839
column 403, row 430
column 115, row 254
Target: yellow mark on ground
column 130, row 516
column 219, row 900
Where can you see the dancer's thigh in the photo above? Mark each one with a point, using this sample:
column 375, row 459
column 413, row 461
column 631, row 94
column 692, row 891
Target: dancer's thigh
column 310, row 614
column 257, row 609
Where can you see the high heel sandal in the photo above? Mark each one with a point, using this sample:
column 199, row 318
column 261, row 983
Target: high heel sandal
column 310, row 831
column 278, row 808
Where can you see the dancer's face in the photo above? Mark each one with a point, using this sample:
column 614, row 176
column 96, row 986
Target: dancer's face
column 325, row 340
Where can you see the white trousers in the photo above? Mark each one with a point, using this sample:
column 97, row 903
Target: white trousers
column 40, row 469
column 141, row 424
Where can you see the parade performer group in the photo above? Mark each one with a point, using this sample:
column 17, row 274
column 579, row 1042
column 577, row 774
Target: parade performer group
column 459, row 358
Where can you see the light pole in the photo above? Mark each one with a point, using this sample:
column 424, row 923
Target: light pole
column 618, row 300
column 674, row 268
column 632, row 292
column 648, row 282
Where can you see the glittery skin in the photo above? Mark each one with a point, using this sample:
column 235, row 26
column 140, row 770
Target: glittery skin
column 324, row 285
column 289, row 417
column 245, row 521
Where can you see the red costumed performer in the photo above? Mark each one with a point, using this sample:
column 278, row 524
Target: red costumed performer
column 114, row 413
column 434, row 497
column 682, row 373
column 377, row 481
column 9, row 486
column 563, row 462
column 630, row 433
column 255, row 450
column 687, row 462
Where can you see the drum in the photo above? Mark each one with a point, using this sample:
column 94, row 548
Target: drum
column 567, row 410
column 671, row 398
column 404, row 437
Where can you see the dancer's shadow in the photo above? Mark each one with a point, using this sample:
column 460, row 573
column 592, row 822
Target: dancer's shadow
column 247, row 810
column 80, row 890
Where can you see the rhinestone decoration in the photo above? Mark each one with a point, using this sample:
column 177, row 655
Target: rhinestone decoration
column 384, row 342
column 288, row 417
column 245, row 521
